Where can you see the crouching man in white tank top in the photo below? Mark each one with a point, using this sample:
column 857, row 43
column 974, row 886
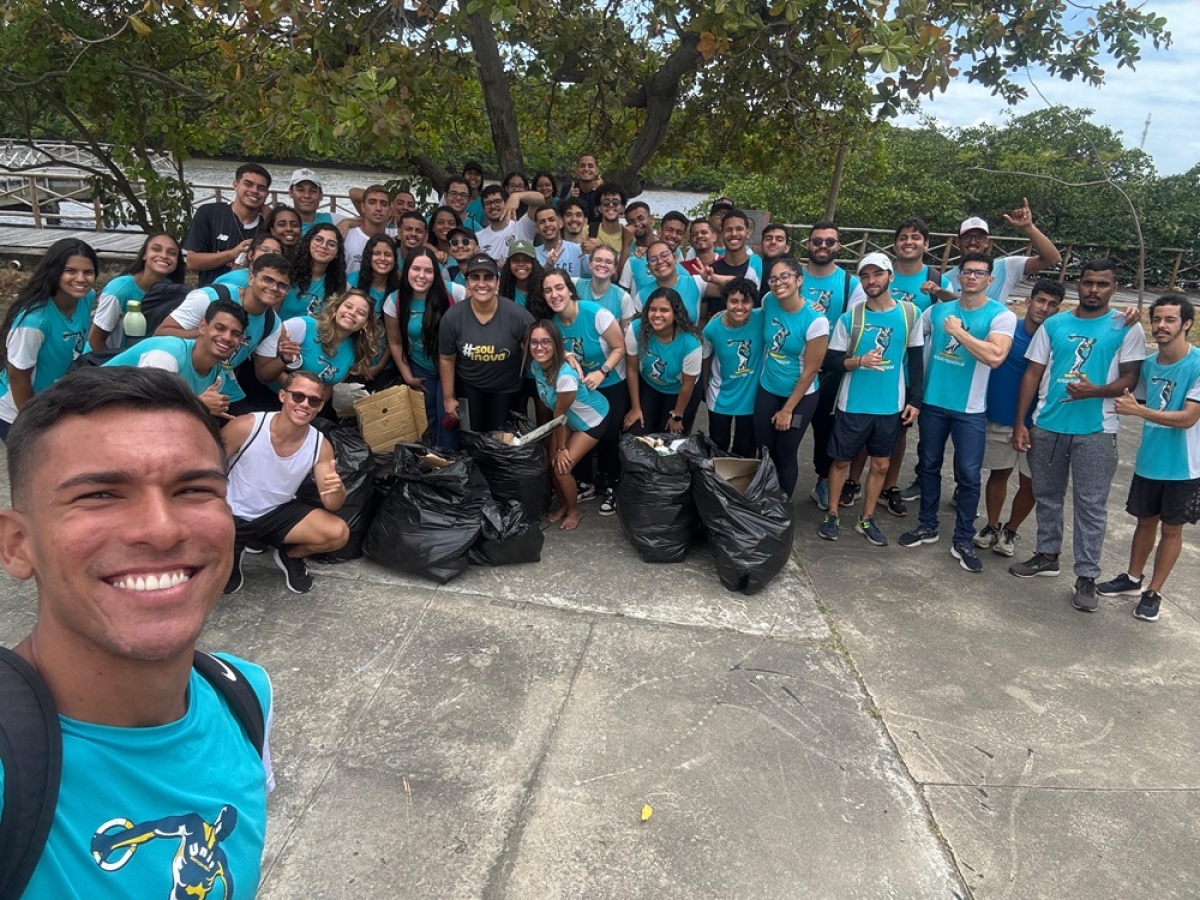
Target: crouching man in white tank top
column 270, row 455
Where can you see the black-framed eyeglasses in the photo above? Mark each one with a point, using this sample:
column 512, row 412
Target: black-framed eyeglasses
column 541, row 342
column 300, row 399
column 974, row 273
column 782, row 278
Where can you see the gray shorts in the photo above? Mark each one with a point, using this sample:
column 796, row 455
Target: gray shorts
column 998, row 452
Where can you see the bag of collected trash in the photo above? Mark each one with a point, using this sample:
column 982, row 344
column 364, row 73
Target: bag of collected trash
column 745, row 514
column 431, row 515
column 514, row 470
column 508, row 536
column 352, row 458
column 654, row 497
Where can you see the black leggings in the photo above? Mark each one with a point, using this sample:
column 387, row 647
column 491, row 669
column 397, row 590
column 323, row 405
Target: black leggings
column 724, row 429
column 781, row 446
column 656, row 405
column 822, row 421
column 608, row 457
column 489, row 410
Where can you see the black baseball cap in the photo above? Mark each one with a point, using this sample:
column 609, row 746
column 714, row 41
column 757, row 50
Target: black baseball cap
column 481, row 262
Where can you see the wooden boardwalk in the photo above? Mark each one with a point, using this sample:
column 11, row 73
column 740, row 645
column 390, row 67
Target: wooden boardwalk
column 17, row 239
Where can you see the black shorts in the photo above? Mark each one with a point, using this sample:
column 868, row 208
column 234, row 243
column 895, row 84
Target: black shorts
column 1175, row 502
column 853, row 431
column 272, row 528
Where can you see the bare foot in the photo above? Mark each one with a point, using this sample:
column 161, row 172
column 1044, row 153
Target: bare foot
column 556, row 516
column 571, row 522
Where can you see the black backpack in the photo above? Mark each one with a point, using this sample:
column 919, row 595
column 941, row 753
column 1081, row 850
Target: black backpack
column 31, row 752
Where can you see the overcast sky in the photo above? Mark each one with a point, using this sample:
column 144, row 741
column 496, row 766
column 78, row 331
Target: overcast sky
column 1165, row 85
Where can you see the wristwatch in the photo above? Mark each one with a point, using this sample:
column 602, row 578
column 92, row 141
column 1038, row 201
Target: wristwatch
column 605, row 369
column 673, row 417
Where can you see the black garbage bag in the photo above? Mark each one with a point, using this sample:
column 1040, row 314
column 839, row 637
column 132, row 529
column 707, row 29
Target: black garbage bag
column 654, row 500
column 513, row 471
column 508, row 536
column 745, row 514
column 431, row 515
column 357, row 471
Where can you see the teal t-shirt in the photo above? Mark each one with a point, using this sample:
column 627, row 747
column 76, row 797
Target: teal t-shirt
column 689, row 287
column 588, row 408
column 954, row 379
column 112, row 306
column 1069, row 346
column 416, row 349
column 304, row 303
column 189, row 799
column 238, row 278
column 908, row 287
column 330, row 368
column 174, row 354
column 1166, row 453
column 610, row 299
column 47, row 342
column 256, row 332
column 321, row 218
column 785, row 341
column 737, row 355
column 585, row 339
column 876, row 392
column 829, row 295
column 663, row 366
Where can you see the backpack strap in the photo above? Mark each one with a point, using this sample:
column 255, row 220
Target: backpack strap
column 910, row 319
column 31, row 751
column 222, row 291
column 233, row 686
column 845, row 292
column 858, row 324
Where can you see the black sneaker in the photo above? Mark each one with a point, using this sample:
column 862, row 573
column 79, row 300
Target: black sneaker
column 895, row 503
column 912, row 493
column 257, row 547
column 851, row 491
column 967, row 557
column 1085, row 595
column 1119, row 586
column 295, row 572
column 922, row 534
column 236, row 578
column 830, row 528
column 608, row 503
column 1038, row 564
column 1147, row 609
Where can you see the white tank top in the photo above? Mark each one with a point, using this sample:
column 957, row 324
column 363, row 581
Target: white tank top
column 355, row 243
column 261, row 480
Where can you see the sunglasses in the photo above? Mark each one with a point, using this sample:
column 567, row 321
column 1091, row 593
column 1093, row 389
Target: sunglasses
column 611, row 201
column 823, row 242
column 300, row 398
column 460, row 242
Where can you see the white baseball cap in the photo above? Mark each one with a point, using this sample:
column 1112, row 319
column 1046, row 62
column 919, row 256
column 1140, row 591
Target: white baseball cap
column 974, row 224
column 305, row 175
column 882, row 260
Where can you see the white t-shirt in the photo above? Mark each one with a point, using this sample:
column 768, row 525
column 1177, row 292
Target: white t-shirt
column 496, row 243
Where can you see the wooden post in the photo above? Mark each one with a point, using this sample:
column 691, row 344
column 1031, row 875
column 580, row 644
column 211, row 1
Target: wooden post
column 97, row 214
column 1062, row 265
column 33, row 201
column 1175, row 271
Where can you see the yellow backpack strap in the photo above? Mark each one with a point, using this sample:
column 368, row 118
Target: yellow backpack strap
column 858, row 324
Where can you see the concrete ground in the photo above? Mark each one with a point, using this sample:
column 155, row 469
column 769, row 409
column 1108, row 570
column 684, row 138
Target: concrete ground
column 878, row 723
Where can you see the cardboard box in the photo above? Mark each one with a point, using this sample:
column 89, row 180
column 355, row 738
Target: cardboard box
column 391, row 417
column 737, row 471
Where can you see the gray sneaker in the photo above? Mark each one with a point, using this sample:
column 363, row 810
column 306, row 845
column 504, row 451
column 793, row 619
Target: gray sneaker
column 1085, row 595
column 1006, row 542
column 830, row 528
column 1038, row 564
column 1122, row 585
column 986, row 538
column 912, row 492
column 868, row 529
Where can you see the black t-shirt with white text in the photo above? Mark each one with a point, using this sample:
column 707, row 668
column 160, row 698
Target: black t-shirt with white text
column 489, row 355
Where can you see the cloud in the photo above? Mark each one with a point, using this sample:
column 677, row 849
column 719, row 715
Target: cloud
column 1162, row 87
